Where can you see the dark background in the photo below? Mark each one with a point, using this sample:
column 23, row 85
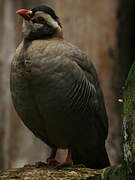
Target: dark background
column 105, row 30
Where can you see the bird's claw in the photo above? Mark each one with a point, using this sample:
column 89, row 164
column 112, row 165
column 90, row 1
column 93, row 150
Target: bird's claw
column 57, row 165
column 40, row 164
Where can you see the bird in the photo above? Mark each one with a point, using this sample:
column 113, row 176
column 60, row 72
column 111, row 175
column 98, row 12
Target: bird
column 56, row 92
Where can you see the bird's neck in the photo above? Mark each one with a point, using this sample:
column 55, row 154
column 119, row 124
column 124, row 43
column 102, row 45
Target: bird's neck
column 58, row 34
column 46, row 35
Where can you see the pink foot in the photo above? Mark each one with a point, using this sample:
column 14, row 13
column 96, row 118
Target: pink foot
column 40, row 164
column 57, row 165
column 52, row 162
column 64, row 165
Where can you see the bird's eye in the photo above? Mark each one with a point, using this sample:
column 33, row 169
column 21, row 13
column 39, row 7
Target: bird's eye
column 39, row 20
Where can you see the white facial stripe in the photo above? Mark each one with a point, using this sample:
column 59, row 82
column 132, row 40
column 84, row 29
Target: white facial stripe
column 26, row 27
column 48, row 18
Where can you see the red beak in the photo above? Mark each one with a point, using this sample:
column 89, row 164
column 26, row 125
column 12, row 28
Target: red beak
column 26, row 14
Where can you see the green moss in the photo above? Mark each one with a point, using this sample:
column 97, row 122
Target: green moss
column 110, row 173
column 115, row 173
column 129, row 117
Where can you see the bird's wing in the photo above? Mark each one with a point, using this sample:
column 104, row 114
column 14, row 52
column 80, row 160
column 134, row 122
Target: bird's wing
column 87, row 95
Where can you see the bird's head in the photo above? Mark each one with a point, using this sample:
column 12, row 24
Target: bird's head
column 40, row 22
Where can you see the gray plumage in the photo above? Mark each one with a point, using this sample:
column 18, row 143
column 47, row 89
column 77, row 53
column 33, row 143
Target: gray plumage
column 55, row 91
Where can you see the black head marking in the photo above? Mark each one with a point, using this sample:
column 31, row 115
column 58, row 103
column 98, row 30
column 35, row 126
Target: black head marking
column 47, row 10
column 47, row 31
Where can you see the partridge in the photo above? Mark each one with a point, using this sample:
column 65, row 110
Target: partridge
column 56, row 92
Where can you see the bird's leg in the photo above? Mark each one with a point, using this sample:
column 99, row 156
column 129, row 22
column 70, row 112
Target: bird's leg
column 62, row 159
column 66, row 163
column 40, row 164
column 63, row 156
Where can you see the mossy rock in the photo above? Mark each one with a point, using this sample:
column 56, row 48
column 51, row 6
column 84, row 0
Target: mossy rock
column 110, row 173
